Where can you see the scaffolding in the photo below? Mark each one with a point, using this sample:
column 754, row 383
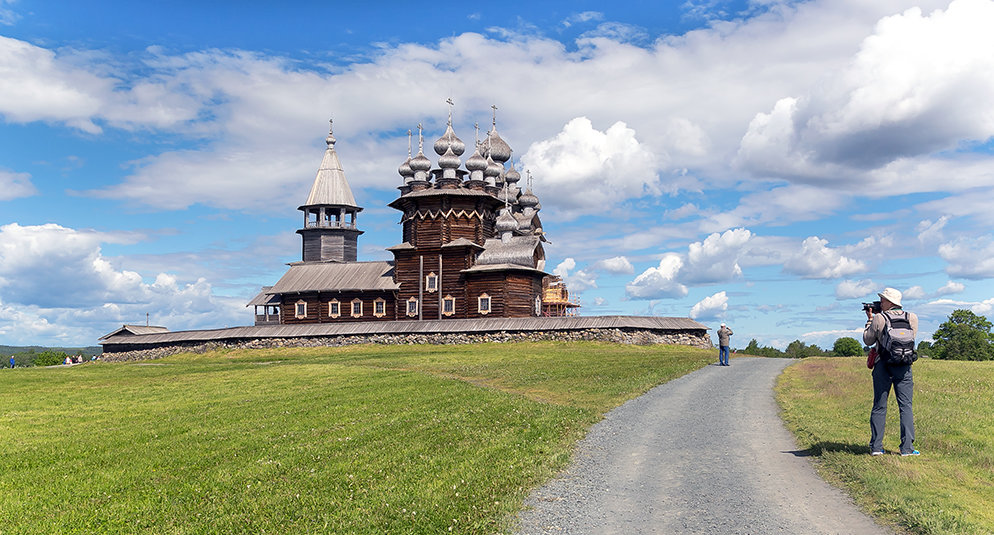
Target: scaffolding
column 555, row 298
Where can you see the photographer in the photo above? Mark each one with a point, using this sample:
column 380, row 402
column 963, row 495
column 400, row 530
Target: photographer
column 884, row 325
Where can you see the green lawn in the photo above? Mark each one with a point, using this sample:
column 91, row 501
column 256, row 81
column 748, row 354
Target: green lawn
column 365, row 439
column 949, row 488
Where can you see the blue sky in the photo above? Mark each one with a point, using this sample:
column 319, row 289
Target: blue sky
column 768, row 164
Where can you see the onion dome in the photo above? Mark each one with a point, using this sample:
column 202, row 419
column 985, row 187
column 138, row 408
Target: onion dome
column 528, row 199
column 498, row 149
column 492, row 171
column 405, row 170
column 475, row 165
column 506, row 222
column 512, row 176
column 449, row 160
column 449, row 141
column 420, row 164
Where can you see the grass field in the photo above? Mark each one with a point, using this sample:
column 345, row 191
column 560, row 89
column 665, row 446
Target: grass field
column 366, row 439
column 949, row 488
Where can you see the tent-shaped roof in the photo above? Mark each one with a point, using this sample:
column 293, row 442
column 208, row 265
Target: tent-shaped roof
column 330, row 186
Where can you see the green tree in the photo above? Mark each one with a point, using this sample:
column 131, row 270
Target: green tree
column 49, row 358
column 964, row 336
column 925, row 349
column 847, row 347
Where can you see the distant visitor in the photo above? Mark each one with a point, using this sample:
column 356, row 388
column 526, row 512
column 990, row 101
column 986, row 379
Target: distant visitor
column 724, row 333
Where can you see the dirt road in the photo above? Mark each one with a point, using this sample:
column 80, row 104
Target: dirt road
column 706, row 453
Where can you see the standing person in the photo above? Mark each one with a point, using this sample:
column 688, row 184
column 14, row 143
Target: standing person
column 12, row 362
column 880, row 326
column 723, row 333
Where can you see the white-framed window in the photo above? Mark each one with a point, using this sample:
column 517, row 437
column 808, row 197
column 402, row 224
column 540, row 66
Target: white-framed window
column 483, row 304
column 379, row 307
column 448, row 305
column 412, row 306
column 538, row 305
column 431, row 282
column 300, row 309
column 334, row 308
column 357, row 308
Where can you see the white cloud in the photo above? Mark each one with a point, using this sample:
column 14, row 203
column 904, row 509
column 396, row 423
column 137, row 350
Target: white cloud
column 659, row 282
column 931, row 231
column 617, row 265
column 950, row 287
column 579, row 280
column 912, row 89
column 15, row 185
column 983, row 308
column 716, row 258
column 55, row 282
column 850, row 289
column 587, row 168
column 816, row 260
column 585, row 16
column 969, row 258
column 710, row 307
column 915, row 292
column 7, row 15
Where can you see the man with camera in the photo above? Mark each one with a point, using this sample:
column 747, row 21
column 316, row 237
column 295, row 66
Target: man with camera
column 892, row 331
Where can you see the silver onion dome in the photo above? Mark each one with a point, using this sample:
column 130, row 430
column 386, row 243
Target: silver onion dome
column 476, row 162
column 506, row 222
column 492, row 171
column 448, row 160
column 420, row 162
column 499, row 150
column 528, row 199
column 449, row 141
column 512, row 176
column 405, row 169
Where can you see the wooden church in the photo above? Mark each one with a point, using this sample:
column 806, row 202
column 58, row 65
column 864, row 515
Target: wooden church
column 471, row 247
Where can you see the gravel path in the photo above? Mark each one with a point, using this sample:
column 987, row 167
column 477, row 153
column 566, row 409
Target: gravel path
column 706, row 453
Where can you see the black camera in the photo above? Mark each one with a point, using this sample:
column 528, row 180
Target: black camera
column 872, row 307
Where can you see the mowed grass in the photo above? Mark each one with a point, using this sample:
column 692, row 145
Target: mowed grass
column 949, row 488
column 365, row 439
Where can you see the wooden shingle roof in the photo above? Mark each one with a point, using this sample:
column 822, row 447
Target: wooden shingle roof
column 335, row 276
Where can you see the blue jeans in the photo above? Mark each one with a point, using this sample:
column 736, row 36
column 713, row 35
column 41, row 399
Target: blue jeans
column 723, row 355
column 883, row 377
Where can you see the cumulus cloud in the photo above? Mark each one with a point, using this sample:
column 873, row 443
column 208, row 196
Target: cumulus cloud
column 660, row 281
column 912, row 89
column 578, row 280
column 617, row 265
column 969, row 258
column 816, row 260
column 716, row 258
column 931, row 231
column 710, row 307
column 589, row 168
column 15, row 185
column 915, row 292
column 850, row 289
column 50, row 275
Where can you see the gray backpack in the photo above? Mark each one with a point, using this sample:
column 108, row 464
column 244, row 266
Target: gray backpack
column 897, row 345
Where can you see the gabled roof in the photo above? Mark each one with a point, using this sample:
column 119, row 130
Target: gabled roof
column 330, row 186
column 264, row 298
column 463, row 242
column 132, row 330
column 520, row 250
column 335, row 276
